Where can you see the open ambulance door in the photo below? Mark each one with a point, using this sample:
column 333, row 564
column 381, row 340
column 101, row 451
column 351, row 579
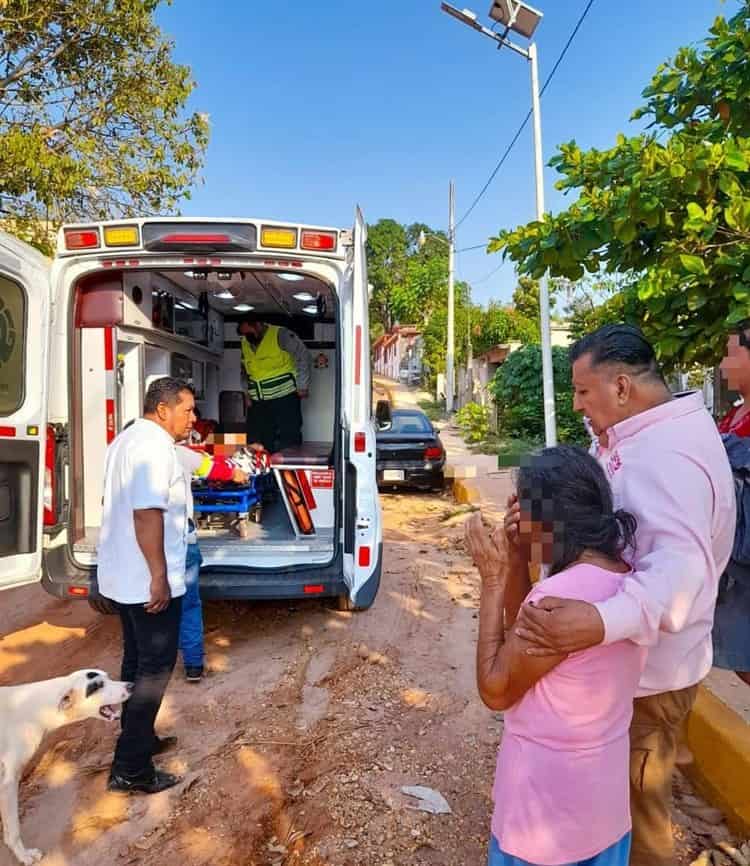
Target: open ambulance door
column 361, row 506
column 24, row 353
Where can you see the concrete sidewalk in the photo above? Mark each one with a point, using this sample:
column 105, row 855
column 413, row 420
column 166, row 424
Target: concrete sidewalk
column 475, row 477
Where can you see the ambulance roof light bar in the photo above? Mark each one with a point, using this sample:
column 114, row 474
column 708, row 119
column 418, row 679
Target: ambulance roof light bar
column 199, row 237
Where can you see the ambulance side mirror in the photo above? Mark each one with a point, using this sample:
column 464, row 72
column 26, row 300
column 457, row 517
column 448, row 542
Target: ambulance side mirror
column 383, row 416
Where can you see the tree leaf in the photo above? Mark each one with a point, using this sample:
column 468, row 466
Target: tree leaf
column 693, row 264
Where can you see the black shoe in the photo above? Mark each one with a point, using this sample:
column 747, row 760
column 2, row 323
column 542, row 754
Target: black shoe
column 164, row 744
column 194, row 673
column 152, row 783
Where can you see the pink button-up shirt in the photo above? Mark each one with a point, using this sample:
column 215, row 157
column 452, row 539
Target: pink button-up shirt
column 668, row 467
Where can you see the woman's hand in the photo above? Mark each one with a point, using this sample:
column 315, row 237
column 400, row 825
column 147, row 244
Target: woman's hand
column 512, row 524
column 488, row 551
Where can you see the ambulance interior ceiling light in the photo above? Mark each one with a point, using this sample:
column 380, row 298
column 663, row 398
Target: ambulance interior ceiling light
column 304, row 297
column 310, row 309
column 291, row 278
column 224, row 296
column 243, row 308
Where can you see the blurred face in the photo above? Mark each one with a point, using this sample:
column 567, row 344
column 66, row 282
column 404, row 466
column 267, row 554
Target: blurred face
column 252, row 332
column 540, row 529
column 601, row 394
column 735, row 367
column 177, row 420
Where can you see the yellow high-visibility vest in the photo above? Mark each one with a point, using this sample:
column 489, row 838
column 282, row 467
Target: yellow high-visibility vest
column 270, row 370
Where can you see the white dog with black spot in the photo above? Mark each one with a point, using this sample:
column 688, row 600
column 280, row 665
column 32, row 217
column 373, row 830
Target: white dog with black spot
column 27, row 713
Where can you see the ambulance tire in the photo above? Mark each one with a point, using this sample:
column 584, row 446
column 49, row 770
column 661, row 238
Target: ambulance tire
column 366, row 595
column 102, row 606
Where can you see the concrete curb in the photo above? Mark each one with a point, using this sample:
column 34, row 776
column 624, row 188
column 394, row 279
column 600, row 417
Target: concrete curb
column 466, row 492
column 720, row 742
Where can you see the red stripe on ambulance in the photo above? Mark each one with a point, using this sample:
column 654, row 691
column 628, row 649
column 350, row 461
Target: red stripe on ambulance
column 109, row 382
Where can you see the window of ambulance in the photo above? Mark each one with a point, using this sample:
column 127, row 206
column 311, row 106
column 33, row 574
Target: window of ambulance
column 12, row 339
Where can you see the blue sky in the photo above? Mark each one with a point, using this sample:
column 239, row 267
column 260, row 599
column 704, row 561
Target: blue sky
column 318, row 106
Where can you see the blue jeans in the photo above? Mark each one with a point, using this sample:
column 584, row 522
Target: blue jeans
column 731, row 635
column 616, row 855
column 191, row 623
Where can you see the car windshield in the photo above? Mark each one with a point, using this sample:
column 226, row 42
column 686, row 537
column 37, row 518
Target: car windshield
column 410, row 423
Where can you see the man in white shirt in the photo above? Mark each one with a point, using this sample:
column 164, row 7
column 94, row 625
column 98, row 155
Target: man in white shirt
column 141, row 568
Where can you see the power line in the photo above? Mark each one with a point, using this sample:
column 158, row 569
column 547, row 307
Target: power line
column 475, row 247
column 521, row 128
column 487, row 276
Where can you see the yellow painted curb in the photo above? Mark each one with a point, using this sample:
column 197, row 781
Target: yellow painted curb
column 379, row 384
column 720, row 742
column 465, row 492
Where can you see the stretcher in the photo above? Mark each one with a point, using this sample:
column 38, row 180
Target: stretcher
column 244, row 500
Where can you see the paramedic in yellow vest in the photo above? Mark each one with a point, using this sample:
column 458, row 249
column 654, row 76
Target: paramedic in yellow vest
column 277, row 366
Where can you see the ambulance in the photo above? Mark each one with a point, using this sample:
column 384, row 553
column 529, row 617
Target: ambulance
column 129, row 301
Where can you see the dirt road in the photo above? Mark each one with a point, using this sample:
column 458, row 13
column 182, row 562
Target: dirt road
column 297, row 744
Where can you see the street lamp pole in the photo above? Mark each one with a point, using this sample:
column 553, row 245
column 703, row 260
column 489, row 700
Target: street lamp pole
column 450, row 355
column 523, row 19
column 548, row 383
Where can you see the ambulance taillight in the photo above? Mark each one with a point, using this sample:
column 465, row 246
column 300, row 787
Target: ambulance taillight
column 50, row 481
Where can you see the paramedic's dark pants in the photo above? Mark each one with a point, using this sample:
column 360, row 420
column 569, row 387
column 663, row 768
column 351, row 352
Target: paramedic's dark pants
column 149, row 656
column 276, row 424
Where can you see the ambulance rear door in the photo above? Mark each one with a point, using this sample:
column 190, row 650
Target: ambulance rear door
column 24, row 353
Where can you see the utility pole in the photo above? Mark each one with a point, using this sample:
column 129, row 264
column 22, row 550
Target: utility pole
column 450, row 380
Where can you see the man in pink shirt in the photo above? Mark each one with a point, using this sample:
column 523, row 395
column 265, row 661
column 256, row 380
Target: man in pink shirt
column 667, row 466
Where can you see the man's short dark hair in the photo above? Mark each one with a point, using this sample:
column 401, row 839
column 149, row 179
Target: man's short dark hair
column 165, row 390
column 622, row 345
column 742, row 329
column 248, row 319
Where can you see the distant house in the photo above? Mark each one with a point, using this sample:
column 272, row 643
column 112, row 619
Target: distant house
column 398, row 354
column 474, row 384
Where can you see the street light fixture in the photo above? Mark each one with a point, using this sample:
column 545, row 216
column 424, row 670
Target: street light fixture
column 518, row 17
column 524, row 19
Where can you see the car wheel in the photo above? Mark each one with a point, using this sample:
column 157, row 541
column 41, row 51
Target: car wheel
column 103, row 606
column 439, row 483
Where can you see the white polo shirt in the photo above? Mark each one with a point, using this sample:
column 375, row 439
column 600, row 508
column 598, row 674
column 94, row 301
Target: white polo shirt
column 141, row 471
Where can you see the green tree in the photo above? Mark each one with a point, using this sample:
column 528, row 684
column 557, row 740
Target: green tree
column 92, row 122
column 517, row 388
column 435, row 330
column 601, row 300
column 387, row 256
column 526, row 297
column 422, row 290
column 497, row 325
column 669, row 208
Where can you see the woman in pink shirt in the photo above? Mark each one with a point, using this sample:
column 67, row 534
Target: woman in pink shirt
column 562, row 784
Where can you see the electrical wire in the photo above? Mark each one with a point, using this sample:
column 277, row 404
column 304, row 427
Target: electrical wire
column 521, row 128
column 487, row 276
column 475, row 247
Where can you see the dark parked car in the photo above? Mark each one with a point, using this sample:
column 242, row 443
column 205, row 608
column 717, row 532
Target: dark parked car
column 409, row 452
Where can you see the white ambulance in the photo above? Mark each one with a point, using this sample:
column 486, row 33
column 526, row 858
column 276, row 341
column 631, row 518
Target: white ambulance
column 126, row 302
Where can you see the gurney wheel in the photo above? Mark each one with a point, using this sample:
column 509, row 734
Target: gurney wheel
column 256, row 514
column 241, row 527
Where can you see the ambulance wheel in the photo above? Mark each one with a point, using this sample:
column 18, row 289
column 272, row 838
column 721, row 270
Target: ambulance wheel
column 344, row 603
column 103, row 606
column 367, row 593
